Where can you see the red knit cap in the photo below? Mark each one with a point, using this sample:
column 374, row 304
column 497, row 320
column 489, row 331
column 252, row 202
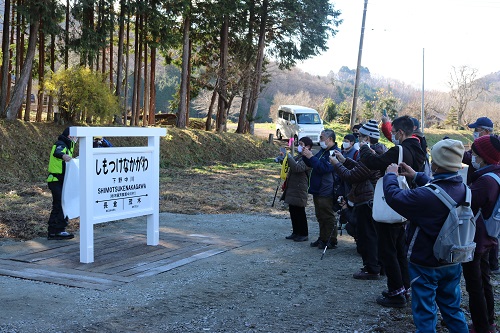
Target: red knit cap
column 488, row 148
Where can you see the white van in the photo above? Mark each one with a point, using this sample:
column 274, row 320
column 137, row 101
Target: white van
column 295, row 121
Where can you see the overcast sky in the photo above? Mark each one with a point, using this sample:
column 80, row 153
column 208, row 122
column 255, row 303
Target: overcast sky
column 451, row 33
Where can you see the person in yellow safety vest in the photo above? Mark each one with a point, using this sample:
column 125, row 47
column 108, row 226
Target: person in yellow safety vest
column 61, row 152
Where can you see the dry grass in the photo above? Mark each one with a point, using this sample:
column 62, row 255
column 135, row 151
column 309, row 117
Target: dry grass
column 201, row 172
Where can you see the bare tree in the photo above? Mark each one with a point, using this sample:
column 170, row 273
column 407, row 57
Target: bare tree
column 464, row 89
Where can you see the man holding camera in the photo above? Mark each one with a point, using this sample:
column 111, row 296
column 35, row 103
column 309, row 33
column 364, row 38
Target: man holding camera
column 321, row 186
column 391, row 237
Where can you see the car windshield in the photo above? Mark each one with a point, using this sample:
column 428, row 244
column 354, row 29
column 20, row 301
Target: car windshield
column 308, row 118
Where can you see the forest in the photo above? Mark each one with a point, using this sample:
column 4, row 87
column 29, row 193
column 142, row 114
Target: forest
column 103, row 61
column 95, row 60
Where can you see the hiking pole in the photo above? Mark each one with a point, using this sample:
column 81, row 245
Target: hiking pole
column 328, row 241
column 276, row 192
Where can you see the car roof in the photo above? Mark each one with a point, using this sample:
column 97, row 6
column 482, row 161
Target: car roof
column 297, row 109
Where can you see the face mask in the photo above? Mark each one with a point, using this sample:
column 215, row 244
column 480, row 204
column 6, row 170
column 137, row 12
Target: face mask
column 475, row 135
column 322, row 144
column 393, row 138
column 356, row 134
column 346, row 145
column 474, row 164
column 300, row 149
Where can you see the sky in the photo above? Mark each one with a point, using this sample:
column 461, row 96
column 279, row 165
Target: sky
column 403, row 37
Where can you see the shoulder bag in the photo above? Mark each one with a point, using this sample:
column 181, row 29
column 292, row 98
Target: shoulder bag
column 381, row 211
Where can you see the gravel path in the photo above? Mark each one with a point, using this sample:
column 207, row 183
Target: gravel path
column 268, row 285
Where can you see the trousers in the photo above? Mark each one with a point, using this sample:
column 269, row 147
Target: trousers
column 323, row 208
column 299, row 220
column 431, row 286
column 366, row 241
column 478, row 285
column 392, row 255
column 57, row 221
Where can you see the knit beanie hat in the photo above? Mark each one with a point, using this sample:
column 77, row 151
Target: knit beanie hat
column 370, row 129
column 448, row 154
column 488, row 148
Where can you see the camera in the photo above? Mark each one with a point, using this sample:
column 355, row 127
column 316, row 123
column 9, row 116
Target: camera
column 279, row 159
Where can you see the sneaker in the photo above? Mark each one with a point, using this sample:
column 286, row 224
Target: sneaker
column 407, row 294
column 60, row 236
column 329, row 245
column 292, row 236
column 398, row 301
column 491, row 330
column 365, row 275
column 301, row 238
column 316, row 243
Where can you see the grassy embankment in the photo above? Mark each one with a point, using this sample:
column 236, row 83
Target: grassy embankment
column 201, row 172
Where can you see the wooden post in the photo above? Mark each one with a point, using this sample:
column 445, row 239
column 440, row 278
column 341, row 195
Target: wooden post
column 270, row 140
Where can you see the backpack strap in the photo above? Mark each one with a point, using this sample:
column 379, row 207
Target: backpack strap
column 494, row 176
column 445, row 197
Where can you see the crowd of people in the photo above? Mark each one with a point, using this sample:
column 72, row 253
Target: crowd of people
column 403, row 251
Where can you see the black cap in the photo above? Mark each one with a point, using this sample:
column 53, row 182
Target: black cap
column 66, row 132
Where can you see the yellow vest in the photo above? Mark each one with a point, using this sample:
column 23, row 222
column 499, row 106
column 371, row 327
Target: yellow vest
column 56, row 164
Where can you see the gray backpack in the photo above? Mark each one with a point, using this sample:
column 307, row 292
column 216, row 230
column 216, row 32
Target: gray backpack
column 493, row 222
column 455, row 242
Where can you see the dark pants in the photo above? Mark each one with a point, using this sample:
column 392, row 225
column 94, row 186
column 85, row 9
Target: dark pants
column 299, row 220
column 493, row 257
column 57, row 221
column 323, row 208
column 392, row 255
column 366, row 241
column 481, row 300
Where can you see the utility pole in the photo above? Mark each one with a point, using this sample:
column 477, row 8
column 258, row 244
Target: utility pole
column 422, row 113
column 356, row 82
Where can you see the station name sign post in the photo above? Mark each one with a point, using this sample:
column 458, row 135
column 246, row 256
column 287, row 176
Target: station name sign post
column 117, row 182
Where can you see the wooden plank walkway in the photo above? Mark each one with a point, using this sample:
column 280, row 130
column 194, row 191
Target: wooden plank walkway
column 119, row 259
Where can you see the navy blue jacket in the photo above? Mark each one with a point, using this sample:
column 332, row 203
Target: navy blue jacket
column 423, row 209
column 322, row 179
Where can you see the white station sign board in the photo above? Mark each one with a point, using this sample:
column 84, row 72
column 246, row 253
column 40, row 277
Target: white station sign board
column 122, row 182
column 117, row 182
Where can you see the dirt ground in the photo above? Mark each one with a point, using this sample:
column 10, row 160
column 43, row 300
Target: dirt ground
column 268, row 285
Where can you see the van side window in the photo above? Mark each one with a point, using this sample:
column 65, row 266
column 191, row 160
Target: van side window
column 290, row 116
column 280, row 113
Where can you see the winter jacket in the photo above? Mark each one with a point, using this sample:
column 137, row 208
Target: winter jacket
column 485, row 191
column 57, row 166
column 424, row 210
column 419, row 135
column 361, row 178
column 297, row 182
column 322, row 179
column 413, row 155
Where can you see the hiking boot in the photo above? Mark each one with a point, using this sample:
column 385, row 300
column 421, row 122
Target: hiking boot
column 300, row 238
column 365, row 275
column 398, row 301
column 292, row 236
column 316, row 243
column 60, row 236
